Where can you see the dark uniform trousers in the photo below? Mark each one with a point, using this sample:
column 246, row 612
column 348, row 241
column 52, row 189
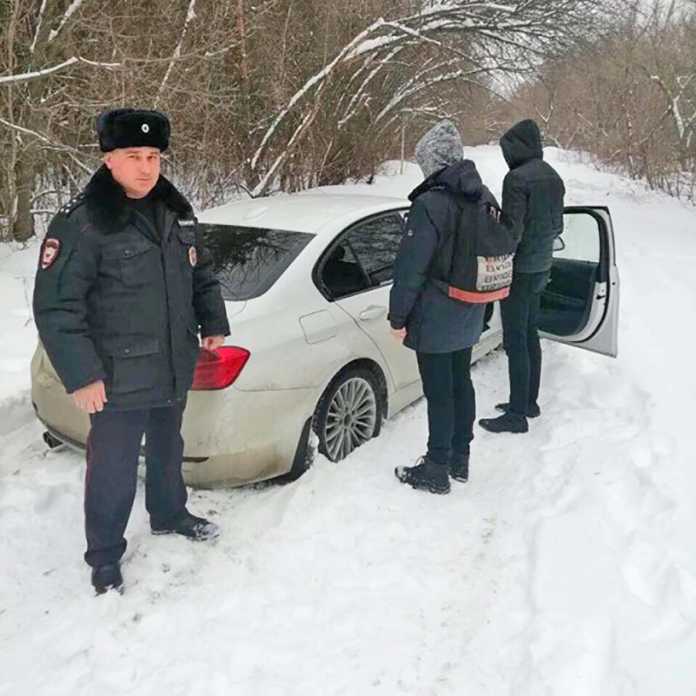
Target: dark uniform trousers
column 520, row 318
column 113, row 447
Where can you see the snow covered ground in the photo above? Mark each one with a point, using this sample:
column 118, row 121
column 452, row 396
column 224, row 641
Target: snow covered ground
column 567, row 565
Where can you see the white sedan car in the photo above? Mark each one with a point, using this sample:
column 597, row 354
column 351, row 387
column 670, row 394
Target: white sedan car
column 306, row 282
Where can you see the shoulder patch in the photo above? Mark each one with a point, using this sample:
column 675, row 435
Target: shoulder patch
column 50, row 250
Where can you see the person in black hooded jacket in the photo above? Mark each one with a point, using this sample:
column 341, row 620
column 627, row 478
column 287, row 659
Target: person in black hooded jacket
column 440, row 329
column 533, row 207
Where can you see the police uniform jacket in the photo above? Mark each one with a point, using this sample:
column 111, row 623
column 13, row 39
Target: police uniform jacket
column 118, row 300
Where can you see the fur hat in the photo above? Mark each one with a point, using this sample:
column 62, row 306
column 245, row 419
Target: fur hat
column 440, row 147
column 132, row 128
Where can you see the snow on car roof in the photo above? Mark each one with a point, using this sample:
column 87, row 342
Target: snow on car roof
column 300, row 212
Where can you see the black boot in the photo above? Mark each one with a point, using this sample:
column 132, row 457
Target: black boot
column 533, row 410
column 459, row 466
column 190, row 526
column 507, row 423
column 107, row 577
column 425, row 476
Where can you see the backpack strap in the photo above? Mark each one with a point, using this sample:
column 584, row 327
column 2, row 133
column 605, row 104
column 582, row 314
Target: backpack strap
column 447, row 238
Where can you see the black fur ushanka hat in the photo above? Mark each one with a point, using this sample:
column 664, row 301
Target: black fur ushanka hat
column 132, row 128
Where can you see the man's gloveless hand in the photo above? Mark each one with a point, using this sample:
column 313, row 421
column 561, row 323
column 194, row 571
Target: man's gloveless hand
column 90, row 398
column 213, row 342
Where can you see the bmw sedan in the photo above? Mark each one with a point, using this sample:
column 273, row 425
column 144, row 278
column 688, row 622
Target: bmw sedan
column 306, row 282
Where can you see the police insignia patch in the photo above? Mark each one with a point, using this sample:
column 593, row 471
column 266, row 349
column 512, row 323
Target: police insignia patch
column 193, row 256
column 49, row 252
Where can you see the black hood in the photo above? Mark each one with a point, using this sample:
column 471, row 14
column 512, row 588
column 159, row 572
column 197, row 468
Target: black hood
column 460, row 179
column 106, row 200
column 522, row 143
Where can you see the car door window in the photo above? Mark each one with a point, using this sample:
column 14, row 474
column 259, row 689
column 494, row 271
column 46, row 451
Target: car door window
column 363, row 257
column 567, row 301
column 580, row 239
column 376, row 244
column 342, row 273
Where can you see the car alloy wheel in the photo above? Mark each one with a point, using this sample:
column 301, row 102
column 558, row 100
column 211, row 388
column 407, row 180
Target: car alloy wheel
column 349, row 414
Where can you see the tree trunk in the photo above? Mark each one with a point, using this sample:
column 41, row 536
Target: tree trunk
column 23, row 222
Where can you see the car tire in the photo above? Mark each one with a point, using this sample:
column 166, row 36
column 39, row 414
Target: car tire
column 349, row 413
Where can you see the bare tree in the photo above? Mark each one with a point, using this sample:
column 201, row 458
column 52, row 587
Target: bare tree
column 275, row 94
column 628, row 97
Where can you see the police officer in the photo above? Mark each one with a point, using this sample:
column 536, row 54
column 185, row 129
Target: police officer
column 122, row 291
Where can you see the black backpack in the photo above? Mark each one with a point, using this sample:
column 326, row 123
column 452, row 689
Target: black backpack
column 474, row 264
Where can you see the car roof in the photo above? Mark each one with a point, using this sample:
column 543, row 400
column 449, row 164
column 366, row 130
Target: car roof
column 301, row 212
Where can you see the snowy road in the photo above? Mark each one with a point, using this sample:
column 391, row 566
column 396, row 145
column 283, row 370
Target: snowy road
column 567, row 565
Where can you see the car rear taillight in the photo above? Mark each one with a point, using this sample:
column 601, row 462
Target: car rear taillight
column 220, row 368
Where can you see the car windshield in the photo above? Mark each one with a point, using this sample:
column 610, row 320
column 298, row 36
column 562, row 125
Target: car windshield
column 248, row 260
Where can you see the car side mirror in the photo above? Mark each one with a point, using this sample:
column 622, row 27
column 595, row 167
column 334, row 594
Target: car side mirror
column 558, row 244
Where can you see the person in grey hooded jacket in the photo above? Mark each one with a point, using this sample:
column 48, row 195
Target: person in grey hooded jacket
column 440, row 329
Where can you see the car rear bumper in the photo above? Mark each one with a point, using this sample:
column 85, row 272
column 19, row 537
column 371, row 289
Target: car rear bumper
column 230, row 437
column 81, row 446
column 244, row 436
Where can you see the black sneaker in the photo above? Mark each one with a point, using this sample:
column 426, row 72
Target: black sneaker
column 533, row 410
column 425, row 476
column 107, row 577
column 507, row 423
column 190, row 526
column 459, row 466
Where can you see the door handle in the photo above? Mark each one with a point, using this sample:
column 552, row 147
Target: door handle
column 372, row 312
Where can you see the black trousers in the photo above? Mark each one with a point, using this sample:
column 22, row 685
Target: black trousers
column 113, row 447
column 520, row 316
column 451, row 402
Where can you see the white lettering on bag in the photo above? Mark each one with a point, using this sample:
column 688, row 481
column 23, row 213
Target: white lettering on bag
column 494, row 272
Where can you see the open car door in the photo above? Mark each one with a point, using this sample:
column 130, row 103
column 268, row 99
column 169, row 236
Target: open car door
column 580, row 305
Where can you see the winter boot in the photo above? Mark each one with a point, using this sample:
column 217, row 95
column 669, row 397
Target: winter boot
column 425, row 476
column 533, row 410
column 507, row 423
column 107, row 577
column 190, row 526
column 459, row 466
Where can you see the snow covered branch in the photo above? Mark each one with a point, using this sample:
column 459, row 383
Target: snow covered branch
column 359, row 94
column 71, row 152
column 36, row 74
column 39, row 22
column 261, row 187
column 72, row 8
column 525, row 25
column 683, row 124
column 23, row 77
column 419, row 83
column 348, row 51
column 190, row 15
